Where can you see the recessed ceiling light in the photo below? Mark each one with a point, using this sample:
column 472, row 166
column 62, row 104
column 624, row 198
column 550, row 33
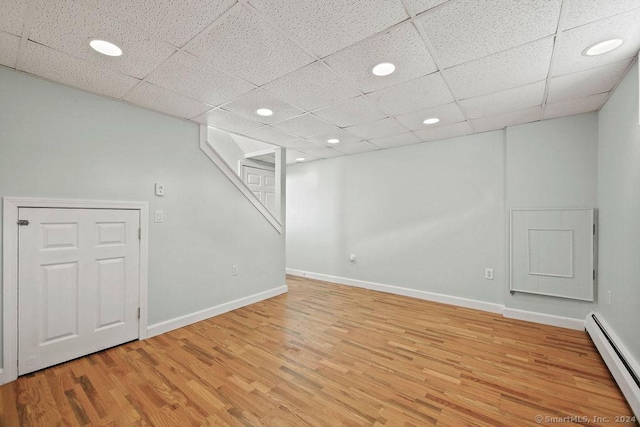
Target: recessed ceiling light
column 431, row 121
column 383, row 69
column 264, row 112
column 104, row 47
column 602, row 47
column 300, row 159
column 333, row 141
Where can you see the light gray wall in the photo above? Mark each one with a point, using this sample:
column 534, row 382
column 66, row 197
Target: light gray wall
column 428, row 217
column 58, row 142
column 619, row 203
column 552, row 164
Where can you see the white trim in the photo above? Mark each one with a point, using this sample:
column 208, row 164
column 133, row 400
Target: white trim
column 2, row 377
column 188, row 319
column 10, row 266
column 228, row 171
column 619, row 372
column 544, row 319
column 414, row 293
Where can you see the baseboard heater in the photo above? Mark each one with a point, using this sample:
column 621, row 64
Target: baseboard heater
column 621, row 364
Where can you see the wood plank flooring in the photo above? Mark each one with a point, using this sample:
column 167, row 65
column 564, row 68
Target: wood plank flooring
column 329, row 355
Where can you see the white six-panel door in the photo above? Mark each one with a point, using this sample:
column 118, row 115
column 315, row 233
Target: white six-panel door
column 78, row 283
column 262, row 182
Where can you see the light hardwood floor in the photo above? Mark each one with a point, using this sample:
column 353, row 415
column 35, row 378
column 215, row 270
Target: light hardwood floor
column 329, row 355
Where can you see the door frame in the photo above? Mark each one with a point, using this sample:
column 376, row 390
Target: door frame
column 10, row 212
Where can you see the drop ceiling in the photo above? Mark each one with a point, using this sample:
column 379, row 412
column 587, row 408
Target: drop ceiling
column 478, row 65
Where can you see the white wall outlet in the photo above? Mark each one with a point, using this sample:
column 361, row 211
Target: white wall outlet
column 488, row 273
column 352, row 258
column 609, row 298
column 159, row 216
column 234, row 270
column 159, row 189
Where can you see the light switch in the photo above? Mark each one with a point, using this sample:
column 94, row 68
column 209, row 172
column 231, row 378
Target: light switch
column 159, row 216
column 159, row 189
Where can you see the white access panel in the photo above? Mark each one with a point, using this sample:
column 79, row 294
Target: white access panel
column 552, row 252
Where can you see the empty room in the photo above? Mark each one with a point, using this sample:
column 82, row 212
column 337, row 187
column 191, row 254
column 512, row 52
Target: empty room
column 319, row 213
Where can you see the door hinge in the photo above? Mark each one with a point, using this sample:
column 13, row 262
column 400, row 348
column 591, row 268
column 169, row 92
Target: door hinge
column 139, row 233
column 23, row 222
column 138, row 312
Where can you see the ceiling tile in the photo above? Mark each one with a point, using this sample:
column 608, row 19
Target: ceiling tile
column 60, row 67
column 340, row 134
column 323, row 152
column 9, row 45
column 222, row 119
column 247, row 104
column 402, row 47
column 246, row 46
column 420, row 6
column 159, row 99
column 505, row 101
column 510, row 119
column 395, row 140
column 465, row 30
column 292, row 157
column 352, row 112
column 573, row 42
column 418, row 94
column 186, row 74
column 575, row 106
column 445, row 132
column 582, row 12
column 357, row 147
column 173, row 22
column 504, row 70
column 377, row 129
column 271, row 135
column 305, row 125
column 448, row 113
column 326, row 27
column 311, row 87
column 68, row 26
column 299, row 144
column 588, row 82
column 12, row 16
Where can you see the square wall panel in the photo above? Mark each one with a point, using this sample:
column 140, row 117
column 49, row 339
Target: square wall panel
column 504, row 70
column 588, row 82
column 305, row 125
column 510, row 119
column 312, row 87
column 448, row 113
column 357, row 147
column 580, row 12
column 573, row 42
column 414, row 95
column 419, row 6
column 377, row 129
column 493, row 104
column 444, row 132
column 173, row 22
column 324, row 27
column 401, row 46
column 159, row 99
column 270, row 135
column 57, row 66
column 188, row 75
column 247, row 104
column 222, row 119
column 352, row 112
column 12, row 16
column 9, row 45
column 244, row 45
column 68, row 26
column 575, row 106
column 465, row 30
column 395, row 140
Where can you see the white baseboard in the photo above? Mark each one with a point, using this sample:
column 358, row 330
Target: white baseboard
column 1, row 376
column 182, row 321
column 619, row 372
column 545, row 319
column 429, row 296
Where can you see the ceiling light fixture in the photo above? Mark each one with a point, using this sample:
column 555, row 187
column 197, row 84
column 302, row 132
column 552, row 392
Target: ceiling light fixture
column 264, row 112
column 104, row 47
column 602, row 47
column 333, row 141
column 431, row 121
column 300, row 159
column 383, row 69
